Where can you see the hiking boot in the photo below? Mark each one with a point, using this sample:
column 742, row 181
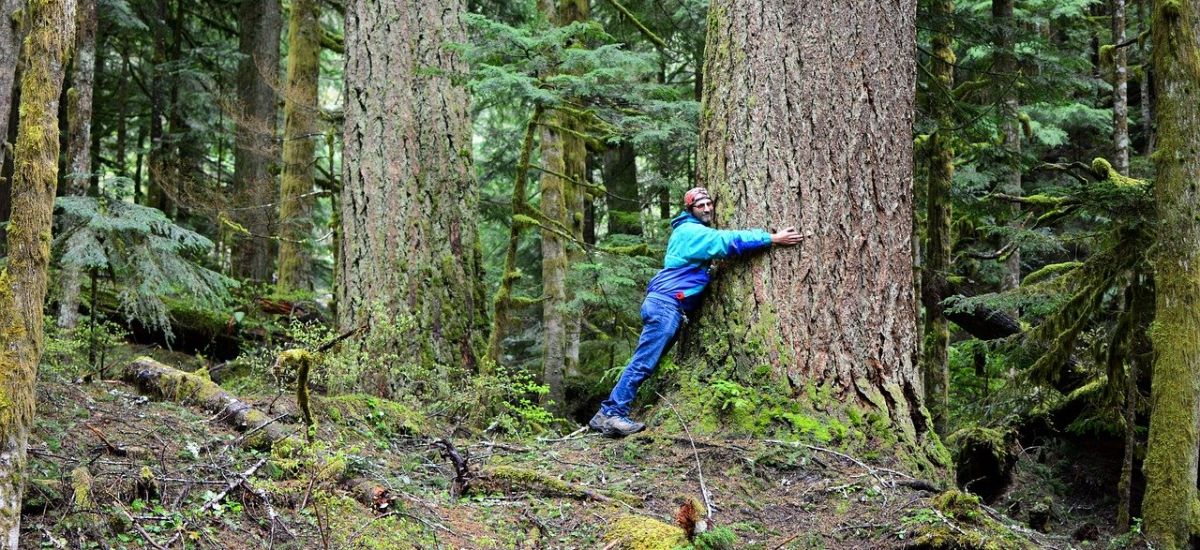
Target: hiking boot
column 621, row 426
column 614, row 426
column 599, row 422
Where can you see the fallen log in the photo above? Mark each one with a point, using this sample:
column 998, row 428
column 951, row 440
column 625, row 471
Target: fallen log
column 259, row 431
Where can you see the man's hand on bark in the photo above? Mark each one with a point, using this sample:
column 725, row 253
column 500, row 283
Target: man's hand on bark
column 787, row 237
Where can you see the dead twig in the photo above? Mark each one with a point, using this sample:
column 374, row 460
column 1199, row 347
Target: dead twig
column 568, row 437
column 708, row 505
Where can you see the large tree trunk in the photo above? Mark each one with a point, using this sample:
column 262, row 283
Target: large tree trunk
column 409, row 201
column 23, row 281
column 254, row 135
column 1120, row 159
column 563, row 154
column 1171, row 459
column 794, row 131
column 299, row 127
column 936, row 368
column 10, row 47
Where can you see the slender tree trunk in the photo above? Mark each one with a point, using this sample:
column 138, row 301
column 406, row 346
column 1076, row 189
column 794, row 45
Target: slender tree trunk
column 300, row 125
column 562, row 205
column 1147, row 72
column 10, row 47
column 122, row 143
column 836, row 314
column 23, row 281
column 156, row 161
column 409, row 201
column 1171, row 458
column 1120, row 159
column 503, row 302
column 937, row 203
column 79, row 155
column 1006, row 65
column 620, row 179
column 254, row 136
column 1140, row 350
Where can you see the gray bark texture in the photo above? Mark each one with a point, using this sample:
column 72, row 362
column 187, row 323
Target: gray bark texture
column 254, row 134
column 10, row 47
column 408, row 204
column 79, row 154
column 807, row 121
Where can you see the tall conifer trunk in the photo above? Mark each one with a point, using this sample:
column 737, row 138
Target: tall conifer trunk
column 23, row 280
column 300, row 117
column 807, row 120
column 1006, row 66
column 254, row 135
column 1171, row 460
column 563, row 154
column 409, row 200
column 937, row 232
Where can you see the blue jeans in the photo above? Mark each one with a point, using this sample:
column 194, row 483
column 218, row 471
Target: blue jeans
column 661, row 318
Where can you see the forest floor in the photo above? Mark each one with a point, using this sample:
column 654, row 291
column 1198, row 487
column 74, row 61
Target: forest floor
column 161, row 475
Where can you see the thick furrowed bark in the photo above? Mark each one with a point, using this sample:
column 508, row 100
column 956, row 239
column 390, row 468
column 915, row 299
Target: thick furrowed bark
column 796, row 132
column 409, row 200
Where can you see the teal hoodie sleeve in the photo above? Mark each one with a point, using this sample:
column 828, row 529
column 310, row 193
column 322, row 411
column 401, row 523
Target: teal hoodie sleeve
column 695, row 242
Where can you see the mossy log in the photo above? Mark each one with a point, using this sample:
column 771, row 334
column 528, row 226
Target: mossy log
column 165, row 382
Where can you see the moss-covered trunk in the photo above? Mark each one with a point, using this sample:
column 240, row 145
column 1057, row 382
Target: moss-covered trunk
column 563, row 161
column 409, row 201
column 1171, row 460
column 794, row 131
column 504, row 301
column 935, row 368
column 260, row 23
column 299, row 129
column 23, row 281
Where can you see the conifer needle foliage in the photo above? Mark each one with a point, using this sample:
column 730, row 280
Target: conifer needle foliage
column 143, row 252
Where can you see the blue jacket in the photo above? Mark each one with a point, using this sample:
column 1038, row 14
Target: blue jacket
column 690, row 251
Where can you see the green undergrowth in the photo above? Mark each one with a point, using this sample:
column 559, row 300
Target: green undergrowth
column 765, row 408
